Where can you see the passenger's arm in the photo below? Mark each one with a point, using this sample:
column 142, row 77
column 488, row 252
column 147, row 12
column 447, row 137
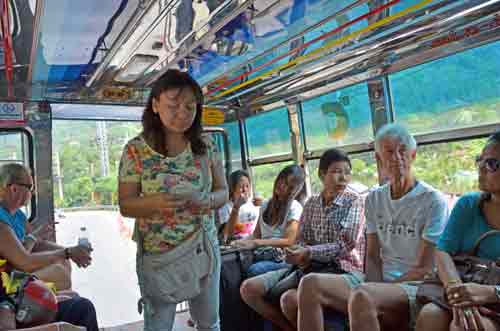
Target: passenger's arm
column 352, row 230
column 256, row 232
column 231, row 218
column 374, row 272
column 424, row 263
column 132, row 204
column 29, row 243
column 289, row 237
column 14, row 252
column 220, row 192
column 447, row 271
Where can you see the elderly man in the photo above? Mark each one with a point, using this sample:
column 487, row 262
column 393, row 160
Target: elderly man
column 16, row 187
column 404, row 218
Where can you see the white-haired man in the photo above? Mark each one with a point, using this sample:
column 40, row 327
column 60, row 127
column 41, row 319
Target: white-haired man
column 46, row 260
column 404, row 219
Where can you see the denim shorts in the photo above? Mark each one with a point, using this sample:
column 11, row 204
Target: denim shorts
column 271, row 278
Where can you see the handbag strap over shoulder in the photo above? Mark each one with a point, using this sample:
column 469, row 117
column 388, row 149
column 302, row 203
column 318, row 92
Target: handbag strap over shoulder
column 485, row 235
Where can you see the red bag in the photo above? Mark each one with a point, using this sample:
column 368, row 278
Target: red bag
column 35, row 302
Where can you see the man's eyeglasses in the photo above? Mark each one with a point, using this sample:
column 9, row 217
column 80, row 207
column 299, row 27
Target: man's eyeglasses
column 29, row 187
column 490, row 164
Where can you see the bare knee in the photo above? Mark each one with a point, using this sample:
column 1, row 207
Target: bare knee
column 433, row 317
column 252, row 289
column 361, row 303
column 288, row 301
column 309, row 287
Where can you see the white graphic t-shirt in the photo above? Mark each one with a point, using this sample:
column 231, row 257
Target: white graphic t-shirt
column 400, row 224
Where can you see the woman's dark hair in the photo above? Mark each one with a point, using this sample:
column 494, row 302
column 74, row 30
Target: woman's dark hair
column 151, row 123
column 330, row 156
column 277, row 210
column 234, row 179
column 486, row 196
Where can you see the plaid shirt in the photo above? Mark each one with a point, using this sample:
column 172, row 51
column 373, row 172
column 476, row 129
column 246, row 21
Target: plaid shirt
column 337, row 231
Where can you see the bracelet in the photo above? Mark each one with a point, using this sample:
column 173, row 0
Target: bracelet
column 31, row 237
column 453, row 282
column 67, row 253
column 211, row 201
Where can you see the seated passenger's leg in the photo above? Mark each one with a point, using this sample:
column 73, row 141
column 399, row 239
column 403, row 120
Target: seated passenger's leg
column 262, row 267
column 379, row 306
column 78, row 311
column 289, row 305
column 57, row 274
column 253, row 292
column 317, row 291
column 433, row 317
column 7, row 316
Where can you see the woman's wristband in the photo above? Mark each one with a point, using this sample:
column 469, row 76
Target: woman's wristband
column 452, row 282
column 211, row 201
column 30, row 237
column 67, row 253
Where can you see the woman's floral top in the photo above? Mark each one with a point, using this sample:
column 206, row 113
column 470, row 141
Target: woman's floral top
column 176, row 175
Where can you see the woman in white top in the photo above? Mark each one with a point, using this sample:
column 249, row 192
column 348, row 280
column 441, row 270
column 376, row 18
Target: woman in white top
column 240, row 214
column 278, row 222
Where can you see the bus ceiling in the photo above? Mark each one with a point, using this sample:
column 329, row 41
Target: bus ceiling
column 250, row 55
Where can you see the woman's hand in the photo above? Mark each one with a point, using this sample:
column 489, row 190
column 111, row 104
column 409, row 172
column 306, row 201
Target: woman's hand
column 465, row 319
column 198, row 203
column 257, row 201
column 245, row 244
column 80, row 254
column 240, row 201
column 164, row 201
column 300, row 256
column 470, row 294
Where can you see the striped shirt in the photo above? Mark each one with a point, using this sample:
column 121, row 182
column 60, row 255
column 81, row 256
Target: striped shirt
column 336, row 231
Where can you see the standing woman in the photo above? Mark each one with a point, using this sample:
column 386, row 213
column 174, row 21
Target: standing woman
column 171, row 179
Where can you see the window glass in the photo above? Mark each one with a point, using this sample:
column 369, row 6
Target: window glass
column 14, row 148
column 87, row 155
column 339, row 118
column 449, row 167
column 364, row 172
column 269, row 133
column 454, row 92
column 233, row 133
column 263, row 177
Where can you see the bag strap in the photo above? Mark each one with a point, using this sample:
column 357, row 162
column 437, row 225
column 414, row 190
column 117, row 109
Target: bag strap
column 485, row 235
column 205, row 174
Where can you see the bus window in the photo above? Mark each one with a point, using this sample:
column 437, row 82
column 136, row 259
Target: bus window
column 263, row 177
column 364, row 172
column 16, row 146
column 233, row 133
column 454, row 92
column 339, row 118
column 268, row 133
column 449, row 167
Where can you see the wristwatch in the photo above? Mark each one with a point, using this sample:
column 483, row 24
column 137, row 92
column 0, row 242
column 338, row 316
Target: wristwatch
column 497, row 292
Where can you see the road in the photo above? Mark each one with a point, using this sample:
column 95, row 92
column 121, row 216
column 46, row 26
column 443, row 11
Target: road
column 111, row 281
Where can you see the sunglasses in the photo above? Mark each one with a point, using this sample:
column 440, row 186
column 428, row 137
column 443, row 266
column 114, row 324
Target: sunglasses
column 490, row 164
column 29, row 187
